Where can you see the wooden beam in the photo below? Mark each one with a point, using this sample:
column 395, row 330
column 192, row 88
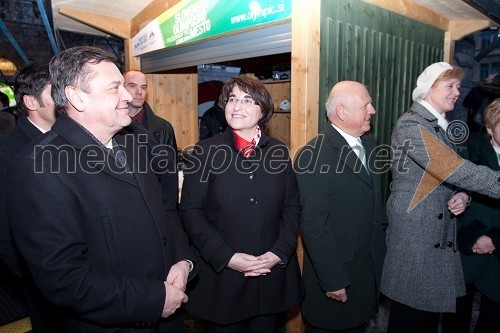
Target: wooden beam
column 449, row 48
column 305, row 72
column 109, row 24
column 460, row 29
column 457, row 30
column 410, row 9
column 454, row 29
column 131, row 62
column 304, row 116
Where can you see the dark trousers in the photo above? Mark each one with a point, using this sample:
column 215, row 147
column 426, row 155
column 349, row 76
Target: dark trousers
column 311, row 329
column 405, row 319
column 459, row 322
column 264, row 324
column 489, row 316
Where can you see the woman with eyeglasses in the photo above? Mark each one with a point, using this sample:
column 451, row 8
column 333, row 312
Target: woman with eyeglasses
column 240, row 208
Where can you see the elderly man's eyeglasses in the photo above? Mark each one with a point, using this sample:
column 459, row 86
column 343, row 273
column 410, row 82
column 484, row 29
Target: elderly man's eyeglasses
column 244, row 101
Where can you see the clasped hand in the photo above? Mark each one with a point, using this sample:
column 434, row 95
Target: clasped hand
column 251, row 265
column 483, row 245
column 175, row 287
column 338, row 295
column 458, row 203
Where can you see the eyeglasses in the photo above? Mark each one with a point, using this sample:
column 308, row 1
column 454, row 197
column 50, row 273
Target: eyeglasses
column 244, row 101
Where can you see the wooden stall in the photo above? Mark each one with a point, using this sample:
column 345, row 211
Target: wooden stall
column 174, row 96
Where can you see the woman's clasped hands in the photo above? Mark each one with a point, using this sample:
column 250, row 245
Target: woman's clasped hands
column 251, row 265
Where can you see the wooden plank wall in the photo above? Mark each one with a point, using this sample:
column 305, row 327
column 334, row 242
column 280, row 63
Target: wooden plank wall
column 383, row 50
column 279, row 127
column 174, row 97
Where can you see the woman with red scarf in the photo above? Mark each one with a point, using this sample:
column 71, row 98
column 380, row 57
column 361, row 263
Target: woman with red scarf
column 240, row 208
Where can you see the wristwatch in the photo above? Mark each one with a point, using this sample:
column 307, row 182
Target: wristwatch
column 191, row 265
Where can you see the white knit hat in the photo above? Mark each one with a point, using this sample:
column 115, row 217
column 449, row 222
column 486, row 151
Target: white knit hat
column 427, row 79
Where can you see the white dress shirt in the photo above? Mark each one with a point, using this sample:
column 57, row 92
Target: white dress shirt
column 355, row 144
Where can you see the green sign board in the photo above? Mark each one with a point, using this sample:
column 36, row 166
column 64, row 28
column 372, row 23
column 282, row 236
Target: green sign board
column 195, row 20
column 7, row 90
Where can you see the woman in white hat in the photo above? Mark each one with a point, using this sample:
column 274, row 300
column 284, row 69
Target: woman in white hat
column 422, row 272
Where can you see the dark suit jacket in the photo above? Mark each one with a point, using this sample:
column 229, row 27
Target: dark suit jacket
column 162, row 148
column 161, row 129
column 231, row 204
column 96, row 238
column 482, row 218
column 213, row 122
column 342, row 227
column 10, row 145
column 7, row 122
column 43, row 315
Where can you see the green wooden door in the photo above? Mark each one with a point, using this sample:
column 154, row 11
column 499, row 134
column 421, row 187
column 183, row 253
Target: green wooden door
column 383, row 50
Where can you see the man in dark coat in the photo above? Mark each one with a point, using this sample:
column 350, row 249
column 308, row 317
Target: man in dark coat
column 38, row 114
column 342, row 216
column 137, row 85
column 476, row 101
column 213, row 121
column 162, row 146
column 97, row 239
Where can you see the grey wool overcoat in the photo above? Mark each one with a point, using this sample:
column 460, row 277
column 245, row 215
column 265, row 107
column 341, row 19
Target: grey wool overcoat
column 422, row 267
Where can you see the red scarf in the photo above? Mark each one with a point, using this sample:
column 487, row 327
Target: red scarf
column 246, row 148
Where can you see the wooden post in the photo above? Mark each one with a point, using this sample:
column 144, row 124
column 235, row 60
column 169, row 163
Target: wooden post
column 304, row 97
column 457, row 30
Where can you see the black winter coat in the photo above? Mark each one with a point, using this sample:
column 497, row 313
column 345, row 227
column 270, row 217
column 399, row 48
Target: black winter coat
column 231, row 204
column 97, row 239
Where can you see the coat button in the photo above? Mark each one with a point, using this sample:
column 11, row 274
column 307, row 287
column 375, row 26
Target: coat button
column 253, row 200
column 440, row 216
column 251, row 176
column 450, row 244
column 437, row 245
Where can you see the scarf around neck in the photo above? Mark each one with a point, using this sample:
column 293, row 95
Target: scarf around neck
column 246, row 148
